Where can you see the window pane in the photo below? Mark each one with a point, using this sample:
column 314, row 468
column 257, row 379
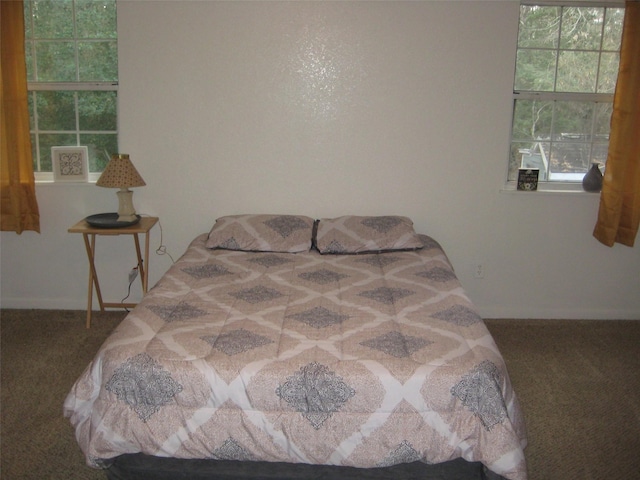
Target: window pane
column 532, row 120
column 96, row 18
column 535, row 70
column 570, row 155
column 28, row 59
column 573, row 118
column 608, row 75
column 515, row 158
column 28, row 33
column 56, row 62
column 581, row 28
column 613, row 29
column 528, row 155
column 52, row 18
column 101, row 147
column 53, row 140
column 34, row 154
column 572, row 128
column 97, row 110
column 32, row 124
column 539, row 26
column 577, row 72
column 602, row 122
column 56, row 111
column 599, row 152
column 98, row 61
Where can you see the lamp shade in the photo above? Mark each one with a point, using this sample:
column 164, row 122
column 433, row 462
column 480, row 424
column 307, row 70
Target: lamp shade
column 120, row 173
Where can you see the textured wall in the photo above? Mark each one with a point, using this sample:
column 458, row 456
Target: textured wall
column 325, row 109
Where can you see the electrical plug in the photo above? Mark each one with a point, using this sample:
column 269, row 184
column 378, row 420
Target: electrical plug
column 133, row 274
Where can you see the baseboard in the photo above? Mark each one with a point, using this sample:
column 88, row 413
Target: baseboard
column 484, row 311
column 559, row 313
column 48, row 303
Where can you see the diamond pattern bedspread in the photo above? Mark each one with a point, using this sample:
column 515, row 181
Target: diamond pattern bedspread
column 358, row 360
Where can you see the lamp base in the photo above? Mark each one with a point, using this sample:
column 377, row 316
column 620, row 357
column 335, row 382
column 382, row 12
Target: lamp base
column 109, row 220
column 128, row 218
column 126, row 212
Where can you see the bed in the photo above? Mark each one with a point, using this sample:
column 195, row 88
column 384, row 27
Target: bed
column 278, row 341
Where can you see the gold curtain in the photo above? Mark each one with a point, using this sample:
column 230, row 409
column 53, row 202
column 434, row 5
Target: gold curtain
column 619, row 212
column 18, row 205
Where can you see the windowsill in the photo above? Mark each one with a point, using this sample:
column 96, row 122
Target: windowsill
column 46, row 178
column 51, row 183
column 556, row 188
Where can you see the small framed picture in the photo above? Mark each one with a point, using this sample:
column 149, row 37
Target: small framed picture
column 70, row 164
column 528, row 179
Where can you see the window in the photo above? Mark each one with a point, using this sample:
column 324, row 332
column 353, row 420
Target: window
column 72, row 73
column 565, row 77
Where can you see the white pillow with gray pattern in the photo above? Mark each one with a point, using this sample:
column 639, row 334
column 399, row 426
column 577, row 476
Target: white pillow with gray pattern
column 262, row 233
column 358, row 234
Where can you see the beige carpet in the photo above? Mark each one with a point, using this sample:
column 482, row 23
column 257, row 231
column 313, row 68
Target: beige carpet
column 42, row 353
column 579, row 386
column 578, row 383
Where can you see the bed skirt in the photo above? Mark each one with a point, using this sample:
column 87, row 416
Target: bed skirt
column 144, row 467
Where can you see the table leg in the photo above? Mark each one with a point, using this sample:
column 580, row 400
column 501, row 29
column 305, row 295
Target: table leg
column 93, row 277
column 90, row 294
column 145, row 282
column 141, row 264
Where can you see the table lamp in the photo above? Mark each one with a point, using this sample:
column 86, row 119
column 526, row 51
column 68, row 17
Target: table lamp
column 120, row 173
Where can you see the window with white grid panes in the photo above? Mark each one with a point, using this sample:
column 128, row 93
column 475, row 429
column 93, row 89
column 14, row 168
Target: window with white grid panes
column 72, row 72
column 565, row 77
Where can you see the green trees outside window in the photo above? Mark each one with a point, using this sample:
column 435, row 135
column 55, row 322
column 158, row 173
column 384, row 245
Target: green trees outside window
column 72, row 70
column 565, row 78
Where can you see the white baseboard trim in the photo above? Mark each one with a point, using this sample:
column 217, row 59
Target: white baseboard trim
column 577, row 313
column 43, row 303
column 50, row 304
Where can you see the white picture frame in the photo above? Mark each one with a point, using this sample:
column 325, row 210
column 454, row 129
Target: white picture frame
column 70, row 164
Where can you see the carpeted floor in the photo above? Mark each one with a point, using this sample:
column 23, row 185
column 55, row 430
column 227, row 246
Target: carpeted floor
column 42, row 354
column 578, row 384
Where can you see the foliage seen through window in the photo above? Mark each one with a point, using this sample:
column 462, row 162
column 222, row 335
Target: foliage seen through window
column 72, row 70
column 565, row 77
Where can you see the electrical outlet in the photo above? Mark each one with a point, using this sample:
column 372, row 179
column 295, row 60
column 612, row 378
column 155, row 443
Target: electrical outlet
column 478, row 270
column 133, row 274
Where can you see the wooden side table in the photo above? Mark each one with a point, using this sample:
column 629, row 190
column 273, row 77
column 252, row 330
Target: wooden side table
column 89, row 234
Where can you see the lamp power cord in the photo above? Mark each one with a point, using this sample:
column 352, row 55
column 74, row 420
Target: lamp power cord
column 161, row 250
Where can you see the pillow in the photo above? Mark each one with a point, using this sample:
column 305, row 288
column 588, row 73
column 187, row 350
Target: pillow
column 354, row 234
column 262, row 233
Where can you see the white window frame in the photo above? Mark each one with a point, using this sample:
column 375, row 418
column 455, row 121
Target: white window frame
column 58, row 87
column 34, row 86
column 574, row 181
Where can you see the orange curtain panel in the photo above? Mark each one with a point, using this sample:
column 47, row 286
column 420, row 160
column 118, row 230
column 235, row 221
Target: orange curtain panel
column 18, row 202
column 619, row 212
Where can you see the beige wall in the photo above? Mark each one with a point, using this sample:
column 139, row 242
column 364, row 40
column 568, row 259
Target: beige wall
column 325, row 109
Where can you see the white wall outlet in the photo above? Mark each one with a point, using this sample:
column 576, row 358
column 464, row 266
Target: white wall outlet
column 478, row 270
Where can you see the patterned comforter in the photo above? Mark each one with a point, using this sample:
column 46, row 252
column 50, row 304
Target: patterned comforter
column 357, row 360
